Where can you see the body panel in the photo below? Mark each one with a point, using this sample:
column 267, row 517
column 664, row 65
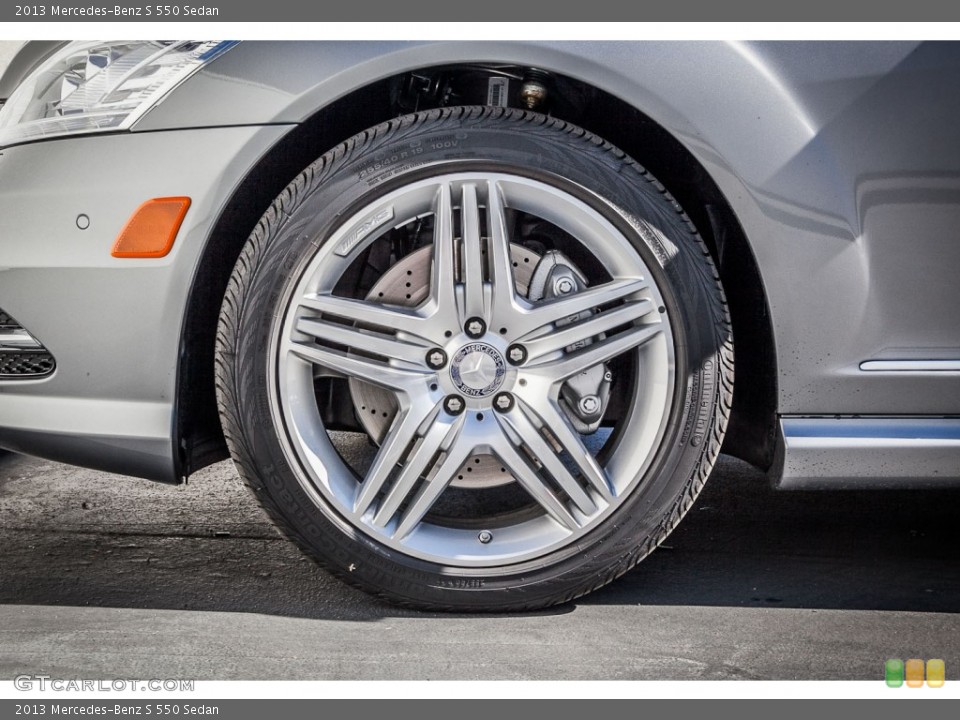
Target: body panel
column 113, row 324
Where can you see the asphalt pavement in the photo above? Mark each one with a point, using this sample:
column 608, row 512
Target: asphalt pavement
column 108, row 576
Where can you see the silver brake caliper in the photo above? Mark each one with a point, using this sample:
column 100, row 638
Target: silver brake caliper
column 583, row 397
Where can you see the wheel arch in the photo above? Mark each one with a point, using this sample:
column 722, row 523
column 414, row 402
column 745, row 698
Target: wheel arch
column 751, row 432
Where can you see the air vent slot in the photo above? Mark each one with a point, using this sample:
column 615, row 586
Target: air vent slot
column 22, row 357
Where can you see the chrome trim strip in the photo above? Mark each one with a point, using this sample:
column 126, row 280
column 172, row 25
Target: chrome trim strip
column 18, row 340
column 910, row 365
column 880, row 429
column 854, row 453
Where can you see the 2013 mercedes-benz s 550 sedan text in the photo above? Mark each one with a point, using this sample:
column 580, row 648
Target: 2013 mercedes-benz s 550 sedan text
column 466, row 316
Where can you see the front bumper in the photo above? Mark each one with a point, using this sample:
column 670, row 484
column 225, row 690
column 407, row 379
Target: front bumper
column 113, row 325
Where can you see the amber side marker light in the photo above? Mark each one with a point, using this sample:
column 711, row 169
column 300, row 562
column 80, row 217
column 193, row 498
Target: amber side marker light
column 151, row 230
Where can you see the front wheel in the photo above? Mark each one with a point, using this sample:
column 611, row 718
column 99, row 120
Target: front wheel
column 475, row 358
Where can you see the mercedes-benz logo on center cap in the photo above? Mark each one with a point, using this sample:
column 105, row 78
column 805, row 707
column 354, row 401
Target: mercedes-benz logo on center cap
column 478, row 369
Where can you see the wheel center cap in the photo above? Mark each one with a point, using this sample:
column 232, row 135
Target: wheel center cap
column 478, row 369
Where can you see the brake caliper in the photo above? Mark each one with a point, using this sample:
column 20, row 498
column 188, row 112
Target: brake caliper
column 583, row 397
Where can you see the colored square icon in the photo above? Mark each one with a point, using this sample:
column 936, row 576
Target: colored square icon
column 914, row 673
column 936, row 673
column 893, row 672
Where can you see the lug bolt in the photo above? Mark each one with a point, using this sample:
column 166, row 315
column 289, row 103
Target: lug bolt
column 436, row 359
column 503, row 402
column 589, row 404
column 516, row 354
column 454, row 405
column 563, row 286
column 485, row 536
column 475, row 327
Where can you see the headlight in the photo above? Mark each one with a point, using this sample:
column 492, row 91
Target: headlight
column 96, row 86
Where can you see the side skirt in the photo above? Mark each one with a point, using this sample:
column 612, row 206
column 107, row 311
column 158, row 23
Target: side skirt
column 851, row 453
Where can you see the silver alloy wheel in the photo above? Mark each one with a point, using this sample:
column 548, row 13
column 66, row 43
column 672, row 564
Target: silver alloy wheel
column 473, row 314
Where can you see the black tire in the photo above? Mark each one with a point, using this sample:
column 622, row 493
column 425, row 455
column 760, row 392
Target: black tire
column 385, row 157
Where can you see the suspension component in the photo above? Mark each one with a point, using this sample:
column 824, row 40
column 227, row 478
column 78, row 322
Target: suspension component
column 534, row 91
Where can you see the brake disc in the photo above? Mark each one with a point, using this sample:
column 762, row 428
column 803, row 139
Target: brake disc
column 408, row 283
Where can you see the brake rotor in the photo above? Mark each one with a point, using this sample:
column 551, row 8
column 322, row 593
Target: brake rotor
column 408, row 283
